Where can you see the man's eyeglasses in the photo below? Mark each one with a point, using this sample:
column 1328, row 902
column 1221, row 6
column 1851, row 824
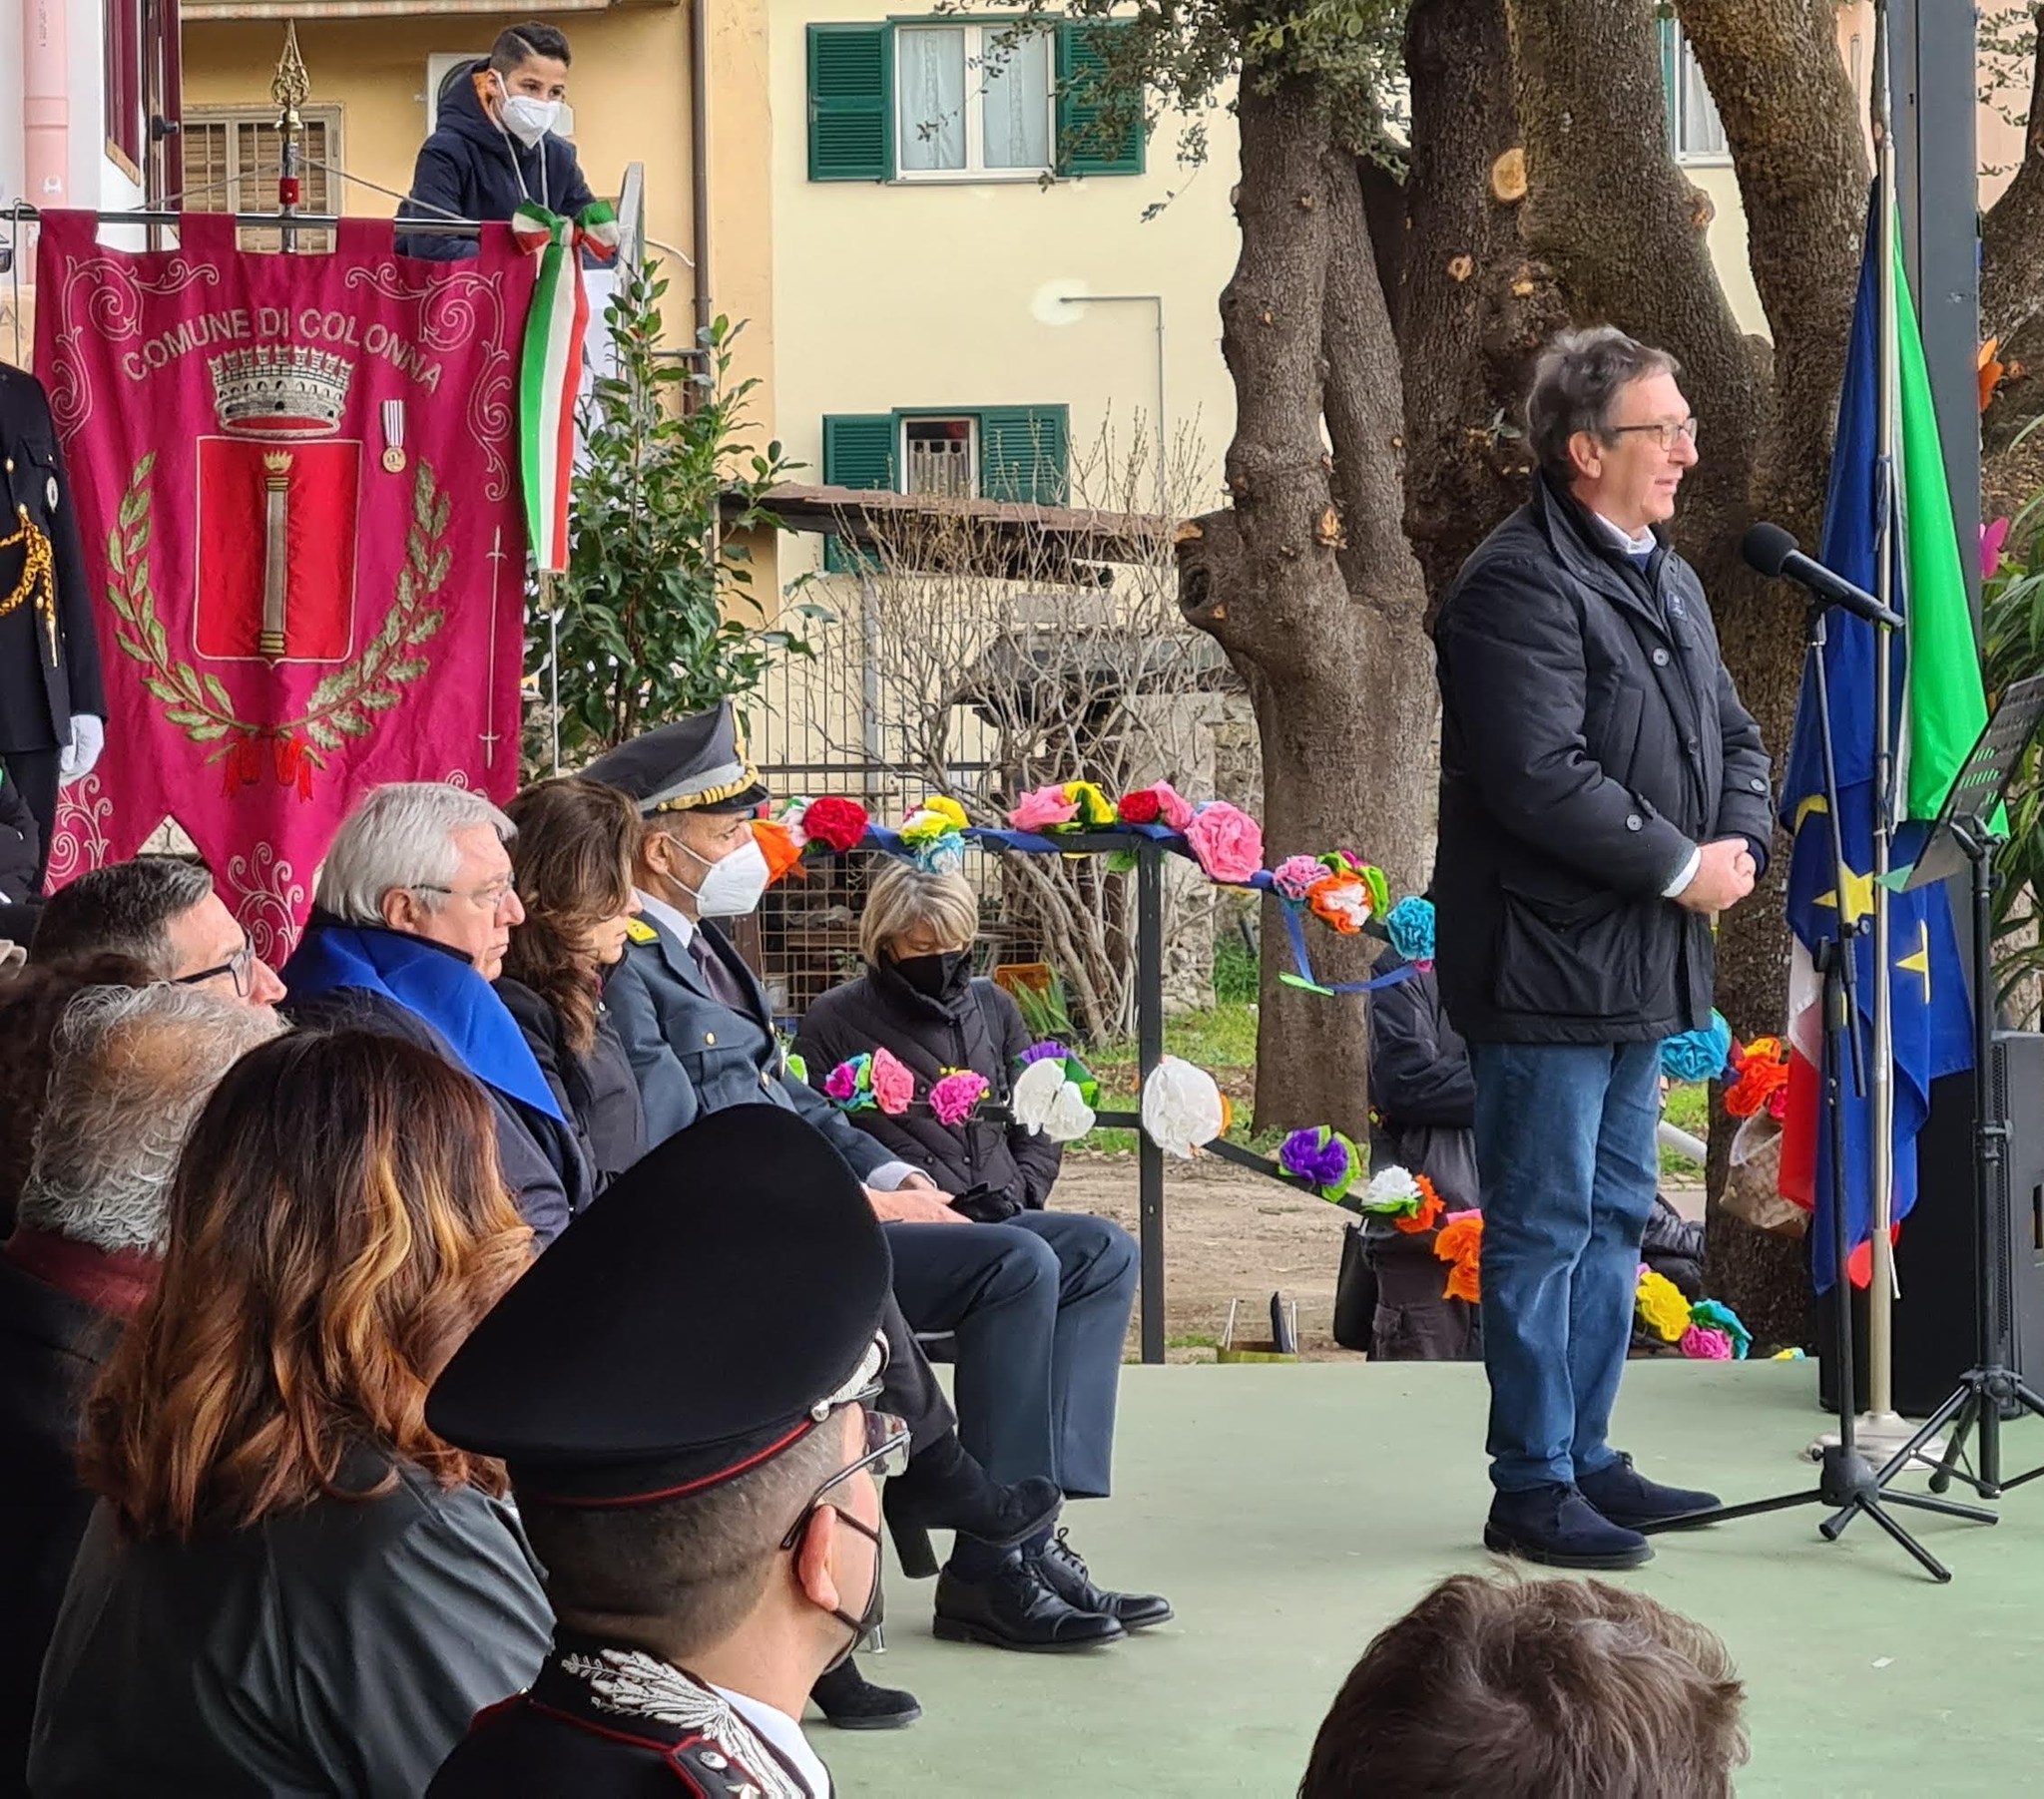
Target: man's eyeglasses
column 240, row 967
column 885, row 1454
column 483, row 899
column 1665, row 433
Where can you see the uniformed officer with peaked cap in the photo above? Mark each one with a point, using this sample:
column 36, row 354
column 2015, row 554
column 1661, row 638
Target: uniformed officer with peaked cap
column 679, row 1390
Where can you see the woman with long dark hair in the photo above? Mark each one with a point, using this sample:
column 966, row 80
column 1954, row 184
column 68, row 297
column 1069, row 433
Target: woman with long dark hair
column 572, row 863
column 290, row 1583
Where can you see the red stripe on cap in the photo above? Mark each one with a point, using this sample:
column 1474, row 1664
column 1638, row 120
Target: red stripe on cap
column 686, row 1487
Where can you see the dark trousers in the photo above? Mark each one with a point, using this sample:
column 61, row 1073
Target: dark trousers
column 909, row 1387
column 1039, row 1308
column 1565, row 1143
column 34, row 771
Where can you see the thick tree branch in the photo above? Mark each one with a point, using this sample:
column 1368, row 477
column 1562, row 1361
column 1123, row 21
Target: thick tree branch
column 2012, row 234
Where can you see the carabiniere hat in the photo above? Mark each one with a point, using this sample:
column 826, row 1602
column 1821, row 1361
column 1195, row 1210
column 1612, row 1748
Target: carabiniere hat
column 713, row 1308
column 695, row 764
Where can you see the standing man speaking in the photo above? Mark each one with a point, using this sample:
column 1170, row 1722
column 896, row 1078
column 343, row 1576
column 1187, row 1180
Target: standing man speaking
column 1604, row 795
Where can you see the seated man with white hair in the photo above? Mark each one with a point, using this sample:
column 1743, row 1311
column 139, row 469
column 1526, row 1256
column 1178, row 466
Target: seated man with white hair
column 412, row 911
column 131, row 1069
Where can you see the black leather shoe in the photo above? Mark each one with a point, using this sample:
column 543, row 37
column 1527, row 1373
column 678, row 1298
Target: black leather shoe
column 1016, row 1610
column 944, row 1489
column 1065, row 1574
column 852, row 1701
column 1631, row 1500
column 1557, row 1528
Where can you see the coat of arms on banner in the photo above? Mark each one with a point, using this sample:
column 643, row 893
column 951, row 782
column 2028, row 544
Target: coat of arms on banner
column 300, row 472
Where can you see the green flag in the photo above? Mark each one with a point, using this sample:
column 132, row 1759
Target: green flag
column 1947, row 705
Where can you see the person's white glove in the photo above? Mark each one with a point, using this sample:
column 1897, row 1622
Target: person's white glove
column 88, row 737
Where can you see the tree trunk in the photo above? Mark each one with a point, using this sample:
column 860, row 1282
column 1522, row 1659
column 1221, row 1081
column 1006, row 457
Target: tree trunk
column 1306, row 580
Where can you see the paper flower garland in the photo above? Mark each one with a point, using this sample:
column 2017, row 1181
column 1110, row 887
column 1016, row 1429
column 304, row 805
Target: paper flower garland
column 878, row 1080
column 1460, row 1245
column 1321, row 1158
column 1410, row 925
column 1694, row 1056
column 934, row 836
column 1407, row 1199
column 1046, row 1101
column 953, row 1098
column 837, row 824
column 1760, row 1082
column 1227, row 843
column 851, row 1085
column 1183, row 1110
column 1719, row 1319
column 1663, row 1309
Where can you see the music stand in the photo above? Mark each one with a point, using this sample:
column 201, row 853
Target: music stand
column 1965, row 837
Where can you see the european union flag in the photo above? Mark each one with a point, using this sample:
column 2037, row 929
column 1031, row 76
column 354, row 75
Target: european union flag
column 1928, row 1001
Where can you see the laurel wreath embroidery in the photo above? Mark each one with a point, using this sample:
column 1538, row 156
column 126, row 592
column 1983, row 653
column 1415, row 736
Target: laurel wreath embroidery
column 342, row 706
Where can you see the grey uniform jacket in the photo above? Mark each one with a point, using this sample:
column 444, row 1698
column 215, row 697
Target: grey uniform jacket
column 694, row 1054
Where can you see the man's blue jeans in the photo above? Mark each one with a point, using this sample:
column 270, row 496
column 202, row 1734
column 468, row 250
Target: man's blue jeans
column 1566, row 1149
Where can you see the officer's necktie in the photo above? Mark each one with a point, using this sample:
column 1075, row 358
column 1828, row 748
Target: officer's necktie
column 722, row 984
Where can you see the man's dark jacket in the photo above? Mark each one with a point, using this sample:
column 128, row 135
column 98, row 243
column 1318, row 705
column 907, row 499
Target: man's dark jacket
column 975, row 1026
column 598, row 1093
column 539, row 1157
column 52, row 1346
column 468, row 168
column 1591, row 738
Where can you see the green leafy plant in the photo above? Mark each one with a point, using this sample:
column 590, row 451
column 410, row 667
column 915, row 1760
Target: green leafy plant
column 1046, row 1012
column 2012, row 619
column 658, row 616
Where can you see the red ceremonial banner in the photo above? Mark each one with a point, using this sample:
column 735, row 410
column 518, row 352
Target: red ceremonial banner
column 298, row 482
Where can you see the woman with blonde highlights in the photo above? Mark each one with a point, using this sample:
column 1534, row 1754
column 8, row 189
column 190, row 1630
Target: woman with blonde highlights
column 290, row 1583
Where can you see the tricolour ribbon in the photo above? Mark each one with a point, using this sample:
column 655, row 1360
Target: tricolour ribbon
column 551, row 374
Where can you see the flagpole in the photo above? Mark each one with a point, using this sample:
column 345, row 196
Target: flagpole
column 1880, row 1422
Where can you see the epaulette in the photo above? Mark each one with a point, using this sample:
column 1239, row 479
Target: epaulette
column 638, row 931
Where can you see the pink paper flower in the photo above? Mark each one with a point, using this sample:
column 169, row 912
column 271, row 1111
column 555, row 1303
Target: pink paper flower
column 1227, row 842
column 843, row 1081
column 1993, row 540
column 893, row 1084
column 1296, row 875
column 1041, row 809
column 1178, row 811
column 1701, row 1344
column 954, row 1097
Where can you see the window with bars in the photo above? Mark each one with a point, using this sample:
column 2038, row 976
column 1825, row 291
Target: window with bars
column 232, row 159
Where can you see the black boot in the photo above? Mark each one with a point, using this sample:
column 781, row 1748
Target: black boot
column 944, row 1489
column 1015, row 1608
column 1065, row 1574
column 851, row 1703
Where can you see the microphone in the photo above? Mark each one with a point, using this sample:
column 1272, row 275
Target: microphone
column 1775, row 553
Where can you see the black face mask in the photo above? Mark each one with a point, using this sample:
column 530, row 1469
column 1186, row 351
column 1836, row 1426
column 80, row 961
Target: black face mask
column 870, row 1618
column 936, row 977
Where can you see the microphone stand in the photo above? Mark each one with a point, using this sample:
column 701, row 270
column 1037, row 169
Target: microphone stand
column 1847, row 1484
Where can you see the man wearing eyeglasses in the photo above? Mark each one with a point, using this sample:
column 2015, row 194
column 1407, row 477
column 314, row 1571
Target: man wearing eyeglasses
column 679, row 1389
column 1603, row 796
column 411, row 915
column 165, row 913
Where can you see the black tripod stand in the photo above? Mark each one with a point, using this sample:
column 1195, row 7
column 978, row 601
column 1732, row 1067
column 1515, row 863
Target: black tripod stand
column 1991, row 1391
column 1846, row 1480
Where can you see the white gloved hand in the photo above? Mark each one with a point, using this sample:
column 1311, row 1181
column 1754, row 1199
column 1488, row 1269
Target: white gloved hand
column 88, row 737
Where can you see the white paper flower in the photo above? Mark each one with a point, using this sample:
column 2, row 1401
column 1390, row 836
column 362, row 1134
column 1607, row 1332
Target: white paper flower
column 1182, row 1108
column 1036, row 1093
column 1389, row 1190
column 1070, row 1116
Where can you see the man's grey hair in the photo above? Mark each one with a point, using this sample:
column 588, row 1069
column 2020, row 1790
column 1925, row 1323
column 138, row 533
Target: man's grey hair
column 1576, row 383
column 401, row 836
column 130, row 1067
column 126, row 909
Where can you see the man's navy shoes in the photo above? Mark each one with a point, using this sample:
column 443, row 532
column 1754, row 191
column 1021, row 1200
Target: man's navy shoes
column 1557, row 1528
column 1630, row 1499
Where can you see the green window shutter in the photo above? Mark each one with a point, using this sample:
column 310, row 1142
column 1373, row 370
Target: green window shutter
column 1670, row 75
column 1082, row 70
column 1024, row 454
column 858, row 451
column 852, row 103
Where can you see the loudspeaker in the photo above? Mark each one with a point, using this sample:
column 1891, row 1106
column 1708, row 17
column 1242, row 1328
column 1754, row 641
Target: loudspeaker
column 1936, row 1319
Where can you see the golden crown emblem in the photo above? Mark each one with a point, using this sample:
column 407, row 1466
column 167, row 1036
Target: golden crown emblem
column 280, row 387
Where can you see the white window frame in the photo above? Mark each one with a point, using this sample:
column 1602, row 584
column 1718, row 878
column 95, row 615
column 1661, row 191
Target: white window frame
column 975, row 169
column 972, row 444
column 1677, row 117
column 441, row 60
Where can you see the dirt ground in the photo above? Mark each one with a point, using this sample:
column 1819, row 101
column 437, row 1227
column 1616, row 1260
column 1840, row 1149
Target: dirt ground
column 1233, row 1235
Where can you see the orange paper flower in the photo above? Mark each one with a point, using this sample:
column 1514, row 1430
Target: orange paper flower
column 1460, row 1244
column 1430, row 1207
column 1342, row 901
column 778, row 846
column 1763, row 1072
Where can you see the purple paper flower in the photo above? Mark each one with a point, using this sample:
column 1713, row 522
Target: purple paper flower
column 1043, row 1052
column 1316, row 1156
column 842, row 1083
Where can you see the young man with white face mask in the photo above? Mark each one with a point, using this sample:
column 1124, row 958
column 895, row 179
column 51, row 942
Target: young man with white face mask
column 496, row 144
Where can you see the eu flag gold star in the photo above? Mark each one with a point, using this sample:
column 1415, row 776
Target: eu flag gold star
column 1919, row 963
column 1858, row 895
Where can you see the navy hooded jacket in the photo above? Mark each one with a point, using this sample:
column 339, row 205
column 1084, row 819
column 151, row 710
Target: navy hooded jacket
column 468, row 168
